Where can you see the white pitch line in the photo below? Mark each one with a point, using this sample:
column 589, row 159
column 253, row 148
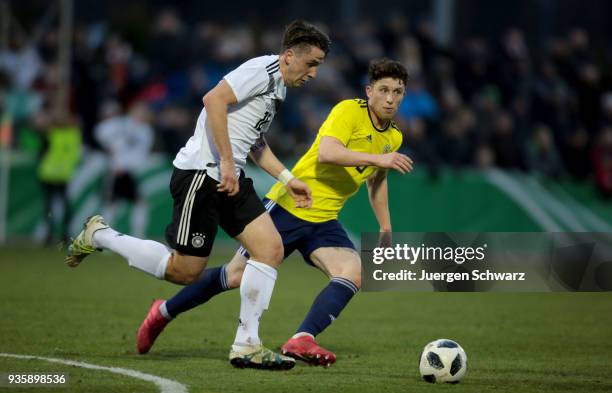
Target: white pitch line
column 165, row 385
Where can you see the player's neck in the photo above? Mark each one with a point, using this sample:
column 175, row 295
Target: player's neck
column 282, row 67
column 380, row 124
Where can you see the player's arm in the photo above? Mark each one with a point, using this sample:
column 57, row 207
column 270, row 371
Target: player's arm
column 333, row 151
column 216, row 102
column 263, row 156
column 379, row 200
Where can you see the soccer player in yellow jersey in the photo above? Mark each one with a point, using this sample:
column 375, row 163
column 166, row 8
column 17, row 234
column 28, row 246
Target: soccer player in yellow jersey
column 356, row 144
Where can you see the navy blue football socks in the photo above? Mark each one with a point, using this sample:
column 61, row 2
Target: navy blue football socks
column 328, row 305
column 212, row 282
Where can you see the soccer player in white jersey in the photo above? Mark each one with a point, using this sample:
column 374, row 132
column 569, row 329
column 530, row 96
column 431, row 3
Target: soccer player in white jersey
column 209, row 189
column 128, row 141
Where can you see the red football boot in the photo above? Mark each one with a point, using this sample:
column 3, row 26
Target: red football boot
column 306, row 349
column 150, row 328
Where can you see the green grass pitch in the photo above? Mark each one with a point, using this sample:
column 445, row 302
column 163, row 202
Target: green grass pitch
column 547, row 342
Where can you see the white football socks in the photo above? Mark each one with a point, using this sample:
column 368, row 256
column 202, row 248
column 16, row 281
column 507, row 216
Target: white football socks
column 255, row 292
column 147, row 255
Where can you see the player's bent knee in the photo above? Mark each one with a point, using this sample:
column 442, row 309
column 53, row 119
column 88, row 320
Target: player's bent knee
column 271, row 253
column 184, row 270
column 353, row 275
column 352, row 278
column 277, row 252
column 357, row 281
column 190, row 276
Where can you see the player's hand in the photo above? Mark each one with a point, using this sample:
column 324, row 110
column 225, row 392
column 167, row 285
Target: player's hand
column 229, row 180
column 300, row 192
column 385, row 239
column 400, row 162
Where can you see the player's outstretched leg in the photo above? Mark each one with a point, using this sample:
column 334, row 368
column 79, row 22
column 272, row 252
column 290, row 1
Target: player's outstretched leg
column 82, row 245
column 146, row 255
column 151, row 327
column 212, row 282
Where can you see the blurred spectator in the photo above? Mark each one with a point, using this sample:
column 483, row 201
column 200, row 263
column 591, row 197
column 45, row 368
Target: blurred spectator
column 588, row 91
column 450, row 102
column 473, row 68
column 551, row 98
column 579, row 46
column 541, row 153
column 417, row 103
column 506, row 144
column 20, row 60
column 456, row 144
column 485, row 157
column 58, row 164
column 576, row 155
column 168, row 45
column 602, row 162
column 486, row 104
column 520, row 110
column 88, row 71
column 409, row 53
column 418, row 147
column 128, row 141
column 175, row 126
column 364, row 43
column 424, row 34
column 606, row 107
column 118, row 55
column 513, row 65
column 442, row 78
column 392, row 32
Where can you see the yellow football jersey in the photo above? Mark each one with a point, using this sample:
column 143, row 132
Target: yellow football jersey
column 331, row 185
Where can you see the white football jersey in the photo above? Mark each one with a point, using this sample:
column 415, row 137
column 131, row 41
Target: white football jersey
column 127, row 141
column 259, row 89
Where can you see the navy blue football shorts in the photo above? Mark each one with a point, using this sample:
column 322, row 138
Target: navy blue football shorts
column 304, row 236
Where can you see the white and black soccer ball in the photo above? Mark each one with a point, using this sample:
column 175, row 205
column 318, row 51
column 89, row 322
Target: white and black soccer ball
column 443, row 360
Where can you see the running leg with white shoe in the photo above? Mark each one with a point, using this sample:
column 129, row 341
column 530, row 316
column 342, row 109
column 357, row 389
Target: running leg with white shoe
column 191, row 234
column 263, row 242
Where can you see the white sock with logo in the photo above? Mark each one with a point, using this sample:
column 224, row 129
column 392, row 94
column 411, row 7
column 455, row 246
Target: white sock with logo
column 255, row 292
column 146, row 255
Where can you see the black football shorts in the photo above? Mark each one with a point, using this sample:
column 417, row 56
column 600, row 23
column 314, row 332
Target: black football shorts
column 199, row 209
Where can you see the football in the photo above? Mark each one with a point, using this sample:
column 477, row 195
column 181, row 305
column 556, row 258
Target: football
column 443, row 360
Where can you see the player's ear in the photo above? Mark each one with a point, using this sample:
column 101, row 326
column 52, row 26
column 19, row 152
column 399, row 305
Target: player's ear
column 289, row 55
column 369, row 91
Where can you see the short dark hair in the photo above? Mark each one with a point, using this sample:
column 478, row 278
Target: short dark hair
column 300, row 33
column 387, row 68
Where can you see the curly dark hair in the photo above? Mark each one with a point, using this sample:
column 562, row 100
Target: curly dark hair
column 300, row 34
column 387, row 68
